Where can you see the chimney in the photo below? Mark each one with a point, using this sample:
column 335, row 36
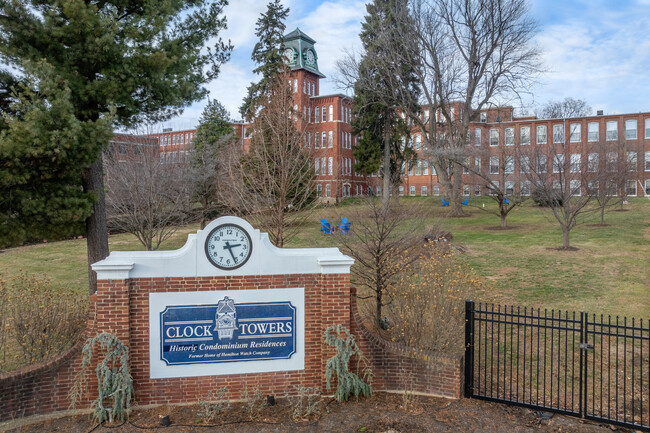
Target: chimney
column 599, row 113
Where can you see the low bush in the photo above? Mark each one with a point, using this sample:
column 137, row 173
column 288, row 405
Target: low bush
column 426, row 308
column 37, row 321
column 545, row 199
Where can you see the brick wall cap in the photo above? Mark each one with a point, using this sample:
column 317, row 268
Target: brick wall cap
column 190, row 260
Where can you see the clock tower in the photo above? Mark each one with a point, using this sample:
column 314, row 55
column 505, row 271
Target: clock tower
column 299, row 52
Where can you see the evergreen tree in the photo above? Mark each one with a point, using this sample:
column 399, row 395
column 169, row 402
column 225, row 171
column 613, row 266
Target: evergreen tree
column 127, row 60
column 384, row 138
column 213, row 125
column 267, row 55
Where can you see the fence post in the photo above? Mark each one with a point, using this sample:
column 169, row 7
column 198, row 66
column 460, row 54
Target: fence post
column 469, row 348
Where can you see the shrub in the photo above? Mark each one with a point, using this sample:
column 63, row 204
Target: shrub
column 427, row 303
column 348, row 383
column 254, row 402
column 545, row 199
column 214, row 405
column 37, row 321
column 305, row 403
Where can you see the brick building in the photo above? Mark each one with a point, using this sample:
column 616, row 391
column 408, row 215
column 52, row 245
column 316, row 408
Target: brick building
column 329, row 132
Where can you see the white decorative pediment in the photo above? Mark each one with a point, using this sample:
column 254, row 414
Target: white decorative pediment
column 190, row 260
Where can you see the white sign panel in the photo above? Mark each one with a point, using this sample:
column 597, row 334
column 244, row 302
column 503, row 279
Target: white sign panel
column 226, row 332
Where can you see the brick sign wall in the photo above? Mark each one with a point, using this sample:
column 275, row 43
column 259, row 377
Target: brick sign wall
column 280, row 300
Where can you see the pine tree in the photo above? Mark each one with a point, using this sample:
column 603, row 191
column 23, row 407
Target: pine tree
column 129, row 61
column 267, row 55
column 383, row 133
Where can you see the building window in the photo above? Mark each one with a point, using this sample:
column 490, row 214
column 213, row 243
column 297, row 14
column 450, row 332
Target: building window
column 647, row 187
column 542, row 162
column 313, row 89
column 477, row 137
column 466, row 165
column 418, row 168
column 433, row 170
column 319, row 189
column 121, row 149
column 316, row 114
column 524, row 188
column 330, row 166
column 524, row 133
column 316, row 166
column 575, row 187
column 494, row 165
column 466, row 190
column 330, row 139
column 647, row 128
column 541, row 134
column 612, row 131
column 494, row 137
column 295, row 86
column 331, row 113
column 647, row 161
column 510, row 136
column 477, row 190
column 401, row 190
column 493, row 187
column 575, row 134
column 558, row 133
column 483, row 117
column 324, row 114
column 436, row 190
column 323, row 139
column 418, row 142
column 592, row 131
column 630, row 129
column 412, row 190
column 524, row 164
column 510, row 188
column 575, row 163
column 425, row 168
column 323, row 166
column 631, row 161
column 410, row 168
column 378, row 191
column 558, row 163
column 612, row 158
column 328, row 190
column 509, row 164
column 477, row 164
column 592, row 162
column 631, row 188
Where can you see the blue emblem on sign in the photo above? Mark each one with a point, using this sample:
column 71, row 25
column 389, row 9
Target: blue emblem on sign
column 227, row 332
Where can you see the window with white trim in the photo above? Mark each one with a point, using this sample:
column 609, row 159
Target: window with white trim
column 510, row 137
column 328, row 190
column 558, row 133
column 423, row 191
column 466, row 190
column 330, row 139
column 630, row 189
column 477, row 190
column 418, row 168
column 316, row 114
column 524, row 164
column 401, row 190
column 647, row 161
column 541, row 134
column 612, row 131
column 466, row 165
column 612, row 159
column 509, row 164
column 647, row 128
column 647, row 187
column 483, row 117
column 575, row 133
column 316, row 166
column 295, row 86
column 494, row 137
column 426, row 116
column 494, row 165
column 524, row 188
column 319, row 189
column 324, row 114
column 592, row 162
column 592, row 131
column 330, row 166
column 331, row 113
column 418, row 142
column 425, row 167
column 631, row 161
column 524, row 135
column 412, row 190
column 477, row 163
column 477, row 137
column 558, row 163
column 542, row 164
column 509, row 188
column 574, row 163
column 493, row 187
column 630, row 129
column 574, row 185
column 436, row 190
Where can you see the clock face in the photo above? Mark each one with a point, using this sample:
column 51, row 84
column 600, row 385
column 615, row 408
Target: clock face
column 228, row 246
column 310, row 57
column 288, row 55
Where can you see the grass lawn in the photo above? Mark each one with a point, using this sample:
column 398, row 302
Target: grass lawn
column 609, row 274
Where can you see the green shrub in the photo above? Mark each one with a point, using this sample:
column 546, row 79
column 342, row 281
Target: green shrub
column 348, row 383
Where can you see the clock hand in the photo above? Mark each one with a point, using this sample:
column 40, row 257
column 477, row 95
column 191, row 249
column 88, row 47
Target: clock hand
column 229, row 248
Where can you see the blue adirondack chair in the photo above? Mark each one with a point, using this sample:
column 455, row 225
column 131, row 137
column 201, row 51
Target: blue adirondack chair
column 344, row 226
column 465, row 202
column 325, row 227
column 506, row 201
column 444, row 202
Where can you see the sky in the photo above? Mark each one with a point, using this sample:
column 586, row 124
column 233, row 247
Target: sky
column 596, row 50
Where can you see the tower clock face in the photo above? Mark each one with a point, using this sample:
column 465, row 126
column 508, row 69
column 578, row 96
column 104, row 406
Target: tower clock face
column 228, row 246
column 288, row 55
column 310, row 57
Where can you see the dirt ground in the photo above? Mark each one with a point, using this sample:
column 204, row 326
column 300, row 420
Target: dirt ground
column 382, row 413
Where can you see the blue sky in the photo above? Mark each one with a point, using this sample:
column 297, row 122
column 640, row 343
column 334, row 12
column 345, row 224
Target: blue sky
column 597, row 50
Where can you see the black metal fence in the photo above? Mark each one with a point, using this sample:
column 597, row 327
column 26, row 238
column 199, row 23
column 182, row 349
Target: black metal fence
column 576, row 364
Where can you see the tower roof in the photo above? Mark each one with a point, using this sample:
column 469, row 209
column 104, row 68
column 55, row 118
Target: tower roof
column 304, row 55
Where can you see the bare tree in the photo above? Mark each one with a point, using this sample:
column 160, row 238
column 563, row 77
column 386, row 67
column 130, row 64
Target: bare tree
column 145, row 197
column 494, row 171
column 273, row 183
column 567, row 108
column 469, row 54
column 383, row 242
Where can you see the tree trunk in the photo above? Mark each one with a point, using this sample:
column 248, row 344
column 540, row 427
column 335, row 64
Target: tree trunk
column 565, row 237
column 503, row 221
column 602, row 215
column 456, row 208
column 96, row 232
column 387, row 185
